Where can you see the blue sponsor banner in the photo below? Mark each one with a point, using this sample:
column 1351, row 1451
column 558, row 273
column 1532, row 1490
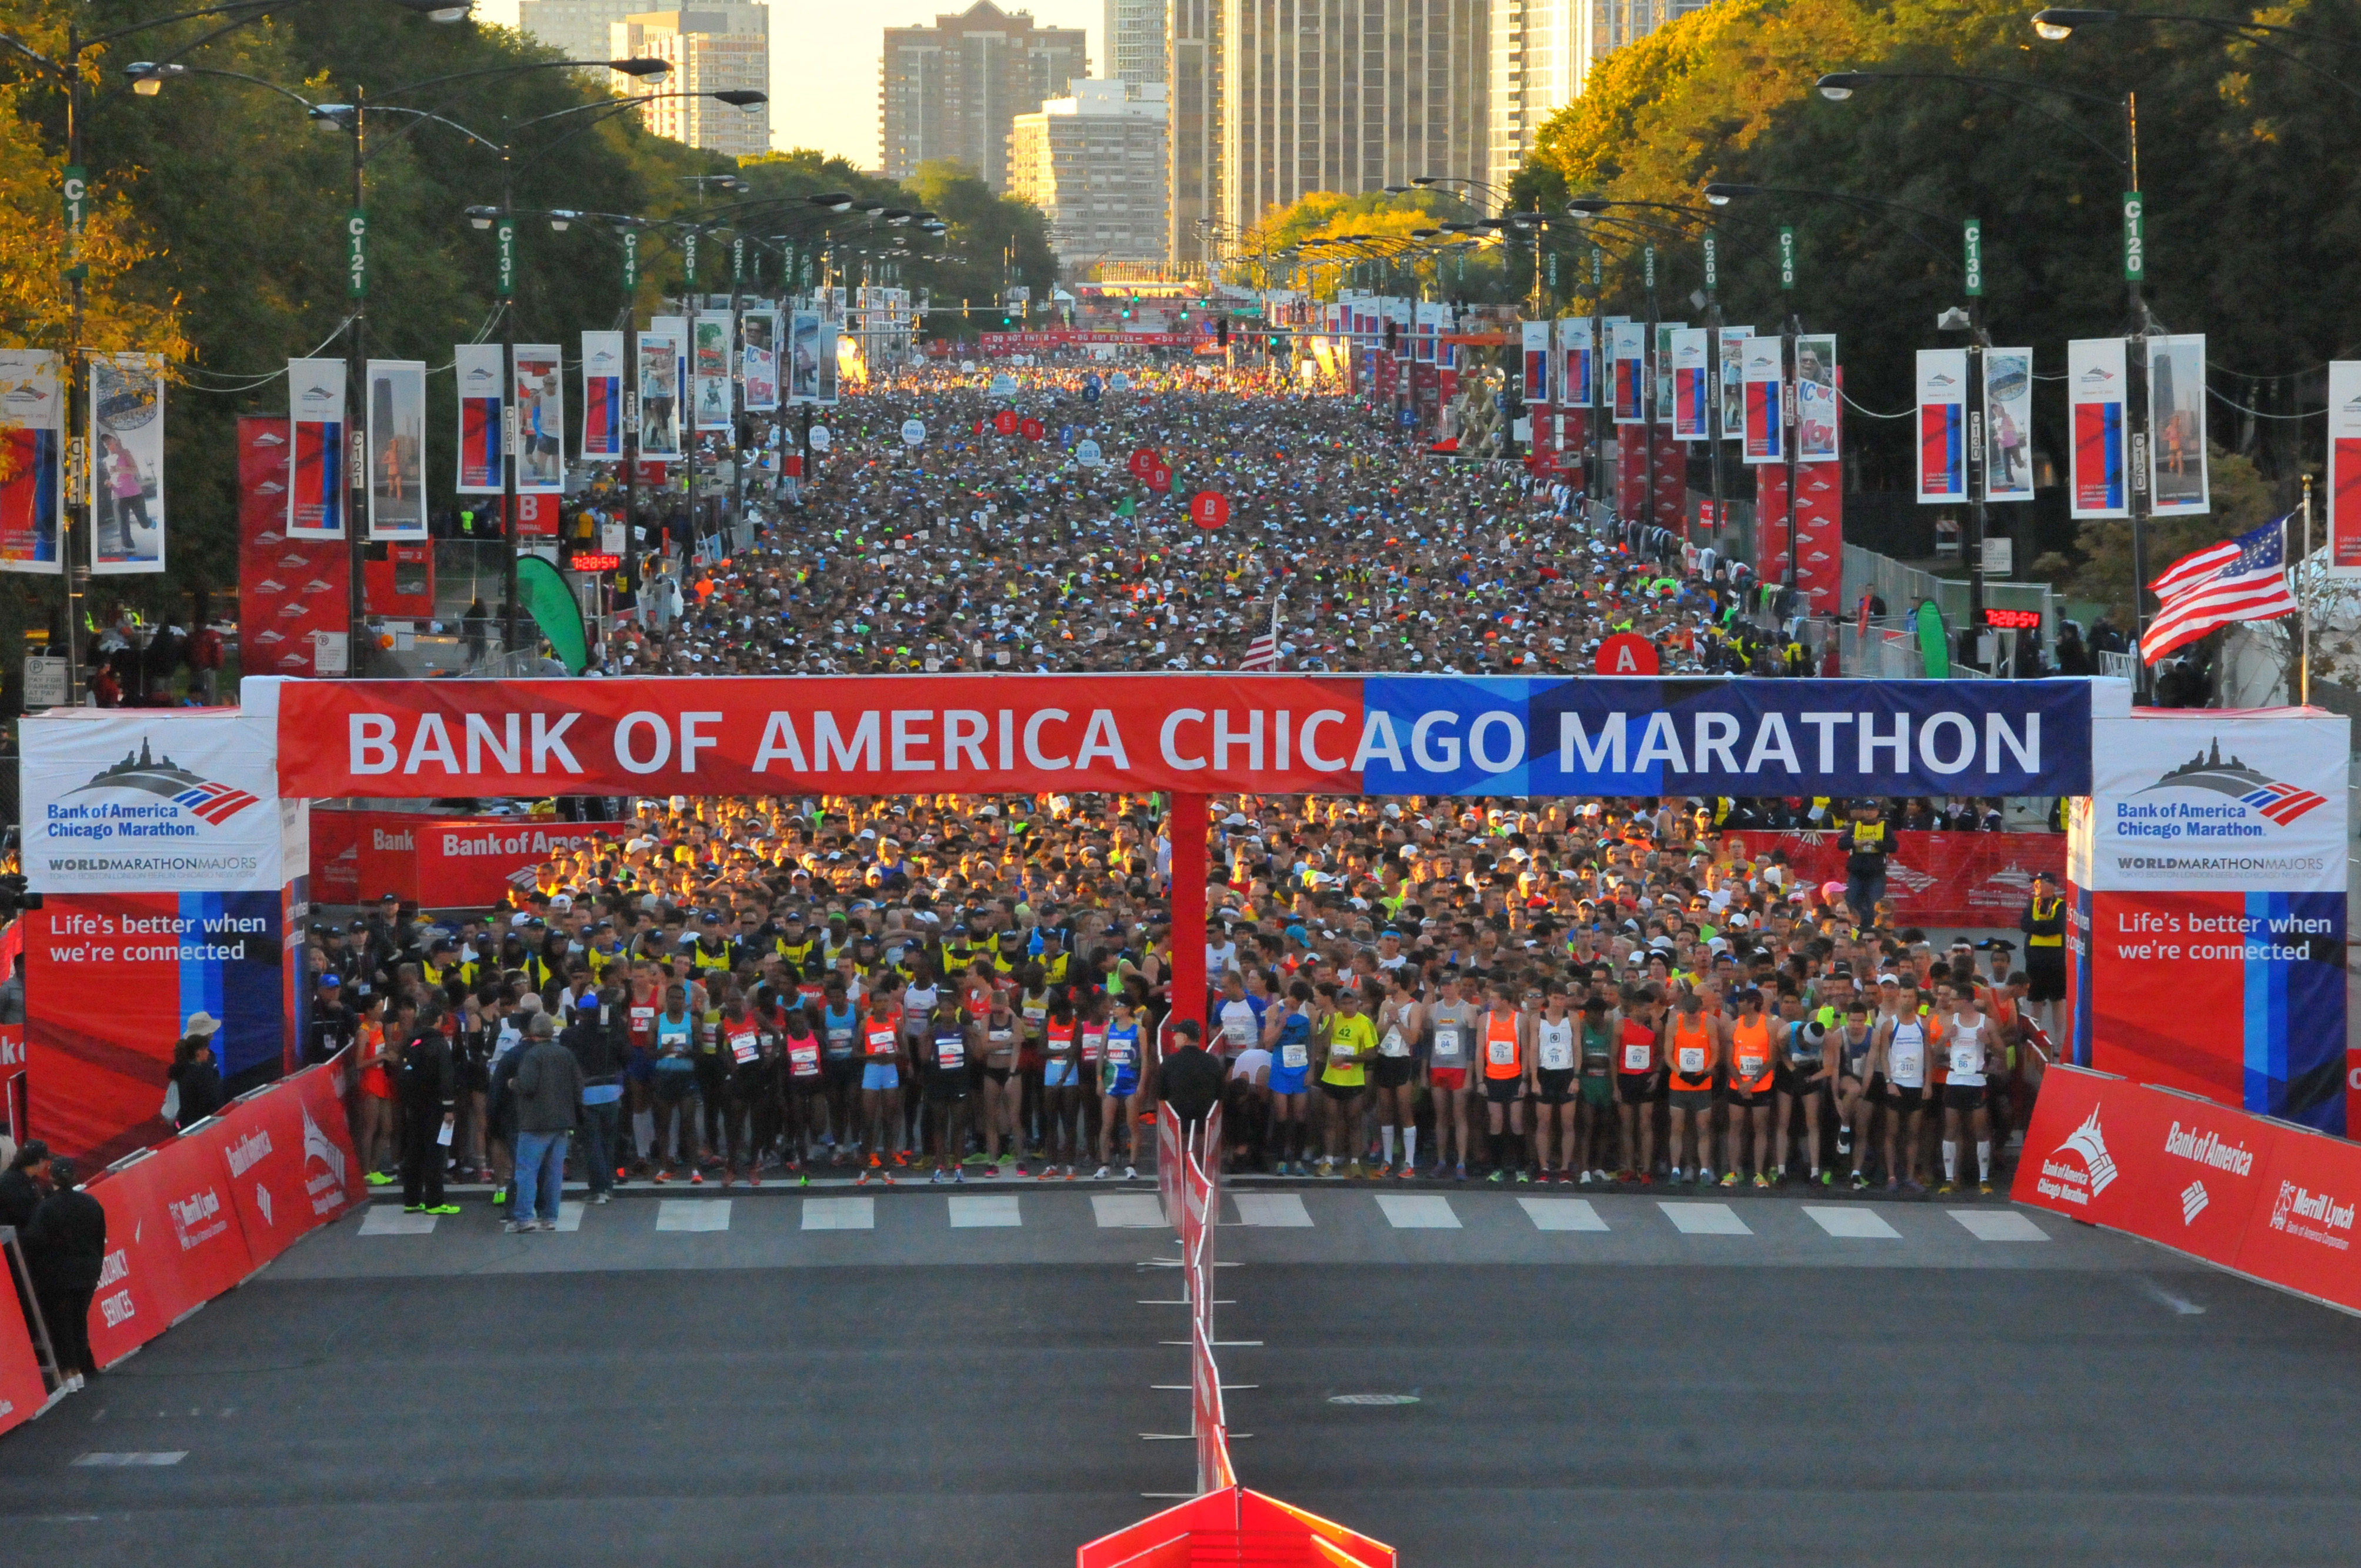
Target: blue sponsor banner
column 1441, row 735
column 2295, row 1013
column 230, row 968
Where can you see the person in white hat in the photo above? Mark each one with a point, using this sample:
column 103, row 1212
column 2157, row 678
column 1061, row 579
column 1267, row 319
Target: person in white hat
column 195, row 1090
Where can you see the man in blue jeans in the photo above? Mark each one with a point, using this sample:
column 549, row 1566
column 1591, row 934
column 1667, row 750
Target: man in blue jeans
column 599, row 1040
column 548, row 1093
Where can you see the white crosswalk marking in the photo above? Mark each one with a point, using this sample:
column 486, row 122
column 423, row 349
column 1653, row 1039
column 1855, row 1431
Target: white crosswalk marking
column 1704, row 1220
column 385, row 1220
column 1126, row 1211
column 1412, row 1212
column 988, row 1211
column 1561, row 1215
column 1275, row 1209
column 840, row 1214
column 132, row 1461
column 1852, row 1223
column 1999, row 1225
column 569, row 1215
column 693, row 1214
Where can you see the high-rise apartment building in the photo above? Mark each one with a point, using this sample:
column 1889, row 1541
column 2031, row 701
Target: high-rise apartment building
column 1192, row 180
column 1321, row 95
column 953, row 90
column 1094, row 163
column 577, row 29
column 1542, row 54
column 713, row 49
column 1134, row 39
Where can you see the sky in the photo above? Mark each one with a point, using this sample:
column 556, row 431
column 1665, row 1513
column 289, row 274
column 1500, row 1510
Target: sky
column 824, row 60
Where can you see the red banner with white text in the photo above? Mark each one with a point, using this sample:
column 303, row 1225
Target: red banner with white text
column 1932, row 879
column 23, row 1391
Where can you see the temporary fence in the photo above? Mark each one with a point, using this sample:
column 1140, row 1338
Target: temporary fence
column 2263, row 1197
column 1224, row 1523
column 1931, row 879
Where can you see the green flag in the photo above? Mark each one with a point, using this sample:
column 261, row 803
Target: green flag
column 545, row 598
column 1934, row 644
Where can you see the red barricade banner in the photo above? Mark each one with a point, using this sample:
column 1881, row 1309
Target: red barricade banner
column 1206, row 1420
column 288, row 1159
column 2168, row 1166
column 23, row 1392
column 139, row 1286
column 1168, row 1163
column 1932, row 879
column 2301, row 1234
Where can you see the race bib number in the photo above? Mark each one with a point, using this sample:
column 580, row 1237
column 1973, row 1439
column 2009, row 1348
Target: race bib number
column 1501, row 1053
column 1750, row 1068
column 1692, row 1060
column 1238, row 1035
column 1967, row 1060
column 839, row 1042
column 1295, row 1055
column 1446, row 1042
column 1393, row 1045
column 1093, row 1046
column 950, row 1051
column 1557, row 1055
column 1341, row 1050
column 804, row 1060
column 644, row 1020
column 741, row 1047
column 1635, row 1058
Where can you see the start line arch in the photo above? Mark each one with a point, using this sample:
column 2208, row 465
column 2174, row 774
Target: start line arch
column 1189, row 735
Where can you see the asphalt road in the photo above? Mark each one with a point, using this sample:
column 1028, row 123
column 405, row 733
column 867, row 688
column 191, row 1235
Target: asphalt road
column 1639, row 1395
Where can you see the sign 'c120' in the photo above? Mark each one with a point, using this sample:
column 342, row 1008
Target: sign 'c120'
column 1327, row 734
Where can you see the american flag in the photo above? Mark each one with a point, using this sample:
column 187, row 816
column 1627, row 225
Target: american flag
column 1262, row 654
column 2247, row 580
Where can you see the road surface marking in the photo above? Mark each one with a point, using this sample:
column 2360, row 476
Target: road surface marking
column 840, row 1214
column 131, row 1461
column 1852, row 1223
column 1999, row 1225
column 1704, row 1220
column 569, row 1216
column 1414, row 1212
column 1561, row 1215
column 1282, row 1210
column 693, row 1214
column 385, row 1220
column 985, row 1212
column 1122, row 1210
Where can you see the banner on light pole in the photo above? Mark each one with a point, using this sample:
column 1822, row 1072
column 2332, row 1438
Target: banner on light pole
column 1733, row 381
column 1663, row 383
column 2009, row 424
column 127, row 464
column 32, row 460
column 541, row 420
column 480, row 373
column 602, row 396
column 1537, row 335
column 1816, row 398
column 803, row 356
column 661, row 349
column 1691, row 382
column 316, row 481
column 710, row 371
column 2095, row 379
column 1629, row 345
column 1763, row 378
column 395, row 411
column 2176, row 425
column 1577, row 387
column 2344, row 469
column 758, row 360
column 1942, row 426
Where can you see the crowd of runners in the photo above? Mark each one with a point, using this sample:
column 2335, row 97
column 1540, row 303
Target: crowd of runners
column 961, row 988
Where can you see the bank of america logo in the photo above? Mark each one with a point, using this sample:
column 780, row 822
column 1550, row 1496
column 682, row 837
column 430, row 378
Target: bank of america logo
column 2283, row 803
column 2193, row 1199
column 207, row 799
column 2092, row 1144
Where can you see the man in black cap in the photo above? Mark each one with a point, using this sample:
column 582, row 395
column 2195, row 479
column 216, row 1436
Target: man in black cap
column 333, row 1024
column 1189, row 1080
column 2044, row 924
column 66, row 1248
column 21, row 1184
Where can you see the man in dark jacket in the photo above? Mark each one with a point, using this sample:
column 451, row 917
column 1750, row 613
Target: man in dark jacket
column 1190, row 1080
column 333, row 1025
column 548, row 1108
column 21, row 1185
column 66, row 1248
column 430, row 1100
column 598, row 1038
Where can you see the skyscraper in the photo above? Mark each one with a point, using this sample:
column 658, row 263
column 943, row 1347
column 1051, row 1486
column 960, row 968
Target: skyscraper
column 1316, row 95
column 576, row 29
column 953, row 90
column 712, row 49
column 1094, row 163
column 1192, row 180
column 1542, row 54
column 1134, row 39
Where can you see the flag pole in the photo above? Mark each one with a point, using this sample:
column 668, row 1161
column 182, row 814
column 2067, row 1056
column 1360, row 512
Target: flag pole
column 2304, row 605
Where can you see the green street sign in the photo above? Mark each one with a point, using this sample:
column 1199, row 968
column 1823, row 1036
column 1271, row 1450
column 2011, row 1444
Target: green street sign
column 1971, row 235
column 737, row 259
column 76, row 189
column 1648, row 274
column 1712, row 263
column 2134, row 241
column 504, row 242
column 357, row 255
column 689, row 257
column 1598, row 267
column 1786, row 257
column 1553, row 271
column 631, row 262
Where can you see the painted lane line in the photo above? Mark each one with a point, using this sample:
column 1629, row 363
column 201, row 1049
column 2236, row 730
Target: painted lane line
column 996, row 1211
column 1277, row 1210
column 1852, row 1223
column 840, row 1214
column 1704, row 1220
column 1561, row 1215
column 1998, row 1225
column 1414, row 1212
